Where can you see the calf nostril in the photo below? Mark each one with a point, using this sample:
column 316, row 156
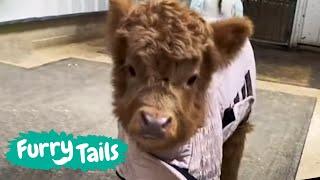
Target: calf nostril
column 144, row 118
column 165, row 80
column 167, row 123
column 150, row 122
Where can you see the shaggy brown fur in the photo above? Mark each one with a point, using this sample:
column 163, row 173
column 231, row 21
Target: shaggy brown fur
column 233, row 152
column 164, row 55
column 230, row 34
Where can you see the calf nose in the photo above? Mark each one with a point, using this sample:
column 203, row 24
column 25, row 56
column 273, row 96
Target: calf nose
column 154, row 126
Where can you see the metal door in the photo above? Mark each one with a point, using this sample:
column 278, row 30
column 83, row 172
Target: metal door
column 273, row 19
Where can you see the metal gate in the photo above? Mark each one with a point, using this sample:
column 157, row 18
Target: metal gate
column 273, row 19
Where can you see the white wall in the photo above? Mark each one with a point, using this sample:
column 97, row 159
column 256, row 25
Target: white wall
column 306, row 26
column 311, row 26
column 23, row 9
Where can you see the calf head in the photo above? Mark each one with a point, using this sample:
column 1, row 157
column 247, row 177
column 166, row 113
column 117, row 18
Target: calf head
column 164, row 55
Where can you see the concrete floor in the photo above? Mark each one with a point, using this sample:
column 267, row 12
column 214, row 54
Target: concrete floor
column 41, row 41
column 288, row 66
column 273, row 149
column 309, row 166
column 91, row 50
column 299, row 68
column 70, row 108
column 72, row 96
column 75, row 96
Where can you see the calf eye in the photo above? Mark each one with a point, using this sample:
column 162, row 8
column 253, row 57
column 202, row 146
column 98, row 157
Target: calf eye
column 192, row 80
column 165, row 79
column 131, row 71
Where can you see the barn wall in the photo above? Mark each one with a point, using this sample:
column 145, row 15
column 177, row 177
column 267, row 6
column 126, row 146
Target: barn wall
column 311, row 27
column 11, row 10
column 306, row 30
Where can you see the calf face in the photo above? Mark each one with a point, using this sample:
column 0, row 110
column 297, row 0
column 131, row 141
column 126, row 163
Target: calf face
column 164, row 55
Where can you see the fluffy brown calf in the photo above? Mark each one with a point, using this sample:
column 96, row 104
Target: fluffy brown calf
column 164, row 55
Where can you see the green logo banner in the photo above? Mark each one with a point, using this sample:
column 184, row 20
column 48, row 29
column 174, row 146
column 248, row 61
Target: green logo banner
column 51, row 150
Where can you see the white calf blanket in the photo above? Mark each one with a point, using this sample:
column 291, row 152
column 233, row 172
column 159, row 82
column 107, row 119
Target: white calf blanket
column 230, row 98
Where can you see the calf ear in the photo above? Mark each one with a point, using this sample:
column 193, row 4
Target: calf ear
column 117, row 10
column 230, row 35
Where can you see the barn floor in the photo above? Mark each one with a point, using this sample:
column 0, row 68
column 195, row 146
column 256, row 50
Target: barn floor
column 288, row 66
column 65, row 95
column 296, row 72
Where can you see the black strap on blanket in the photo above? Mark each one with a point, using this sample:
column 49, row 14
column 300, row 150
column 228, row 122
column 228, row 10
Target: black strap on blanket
column 228, row 117
column 220, row 6
column 246, row 91
column 119, row 176
column 183, row 171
